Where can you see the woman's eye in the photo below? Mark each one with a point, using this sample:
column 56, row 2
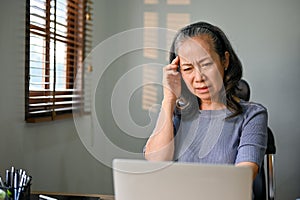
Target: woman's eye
column 187, row 69
column 206, row 65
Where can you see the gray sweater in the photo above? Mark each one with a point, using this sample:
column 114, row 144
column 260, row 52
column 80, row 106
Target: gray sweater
column 210, row 138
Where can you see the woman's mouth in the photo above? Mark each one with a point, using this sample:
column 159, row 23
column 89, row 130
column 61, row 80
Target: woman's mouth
column 202, row 90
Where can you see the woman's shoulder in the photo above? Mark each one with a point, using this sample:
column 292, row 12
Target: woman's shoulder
column 252, row 107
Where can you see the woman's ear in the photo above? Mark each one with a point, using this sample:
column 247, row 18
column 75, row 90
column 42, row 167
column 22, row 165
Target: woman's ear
column 226, row 60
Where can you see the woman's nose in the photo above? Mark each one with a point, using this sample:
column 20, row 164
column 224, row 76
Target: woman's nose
column 198, row 75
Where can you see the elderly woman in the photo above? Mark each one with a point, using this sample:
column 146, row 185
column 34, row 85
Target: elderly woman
column 201, row 119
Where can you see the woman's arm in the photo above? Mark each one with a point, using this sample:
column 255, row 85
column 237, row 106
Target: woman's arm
column 253, row 141
column 253, row 166
column 160, row 145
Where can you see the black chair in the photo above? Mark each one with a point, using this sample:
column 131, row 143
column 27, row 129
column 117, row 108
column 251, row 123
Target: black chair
column 264, row 184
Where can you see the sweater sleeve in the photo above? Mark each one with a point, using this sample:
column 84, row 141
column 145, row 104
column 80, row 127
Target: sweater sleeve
column 253, row 140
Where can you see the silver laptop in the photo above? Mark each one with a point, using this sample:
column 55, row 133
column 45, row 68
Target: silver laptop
column 149, row 180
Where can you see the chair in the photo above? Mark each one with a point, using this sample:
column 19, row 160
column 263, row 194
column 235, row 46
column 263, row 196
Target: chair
column 264, row 184
column 270, row 154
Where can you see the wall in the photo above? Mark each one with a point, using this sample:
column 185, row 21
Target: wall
column 51, row 152
column 265, row 34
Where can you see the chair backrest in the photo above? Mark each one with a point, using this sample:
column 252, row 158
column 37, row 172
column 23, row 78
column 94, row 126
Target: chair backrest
column 243, row 91
column 264, row 184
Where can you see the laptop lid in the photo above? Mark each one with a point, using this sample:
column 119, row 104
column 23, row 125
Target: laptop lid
column 152, row 180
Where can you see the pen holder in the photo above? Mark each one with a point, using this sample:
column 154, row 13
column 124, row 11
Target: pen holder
column 19, row 193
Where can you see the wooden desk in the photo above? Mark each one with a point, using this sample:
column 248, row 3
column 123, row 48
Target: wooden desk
column 69, row 196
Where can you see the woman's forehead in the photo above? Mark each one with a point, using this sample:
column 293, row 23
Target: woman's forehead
column 194, row 49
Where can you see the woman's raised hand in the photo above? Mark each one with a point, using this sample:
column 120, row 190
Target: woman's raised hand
column 172, row 81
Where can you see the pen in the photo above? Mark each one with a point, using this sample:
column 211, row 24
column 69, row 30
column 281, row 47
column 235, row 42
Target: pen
column 7, row 178
column 1, row 182
column 15, row 185
column 20, row 172
column 21, row 183
column 28, row 180
column 41, row 196
column 12, row 175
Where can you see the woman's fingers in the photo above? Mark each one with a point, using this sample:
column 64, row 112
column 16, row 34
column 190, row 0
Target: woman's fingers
column 172, row 79
column 173, row 66
column 175, row 61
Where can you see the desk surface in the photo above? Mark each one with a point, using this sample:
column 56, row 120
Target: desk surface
column 69, row 196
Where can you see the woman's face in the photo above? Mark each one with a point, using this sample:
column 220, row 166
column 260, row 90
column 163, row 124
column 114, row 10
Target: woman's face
column 201, row 68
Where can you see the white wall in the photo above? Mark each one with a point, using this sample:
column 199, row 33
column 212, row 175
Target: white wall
column 265, row 34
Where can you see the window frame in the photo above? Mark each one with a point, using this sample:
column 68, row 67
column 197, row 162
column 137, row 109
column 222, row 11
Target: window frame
column 58, row 104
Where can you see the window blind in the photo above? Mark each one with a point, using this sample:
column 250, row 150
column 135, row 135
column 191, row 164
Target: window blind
column 58, row 37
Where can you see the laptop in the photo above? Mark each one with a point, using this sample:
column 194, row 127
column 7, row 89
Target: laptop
column 166, row 180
